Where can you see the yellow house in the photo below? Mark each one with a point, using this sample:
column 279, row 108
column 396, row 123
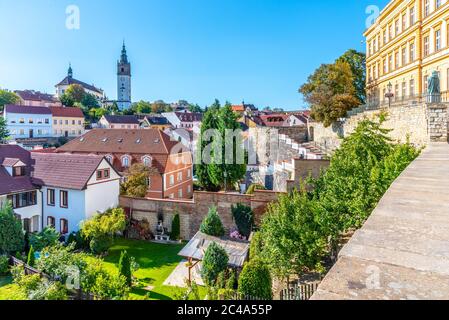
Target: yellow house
column 155, row 122
column 67, row 122
column 404, row 46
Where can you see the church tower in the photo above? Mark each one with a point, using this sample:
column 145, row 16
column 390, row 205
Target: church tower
column 123, row 81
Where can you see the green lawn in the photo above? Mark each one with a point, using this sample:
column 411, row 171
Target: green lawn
column 9, row 291
column 156, row 261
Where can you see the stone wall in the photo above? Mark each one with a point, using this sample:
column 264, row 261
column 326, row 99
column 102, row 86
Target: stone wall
column 421, row 123
column 193, row 212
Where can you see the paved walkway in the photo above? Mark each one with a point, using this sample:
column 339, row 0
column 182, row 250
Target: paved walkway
column 181, row 273
column 402, row 252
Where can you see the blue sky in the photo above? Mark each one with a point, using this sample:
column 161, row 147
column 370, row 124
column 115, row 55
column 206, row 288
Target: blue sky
column 257, row 50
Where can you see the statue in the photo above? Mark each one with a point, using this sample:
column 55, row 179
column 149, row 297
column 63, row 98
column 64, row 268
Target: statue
column 433, row 91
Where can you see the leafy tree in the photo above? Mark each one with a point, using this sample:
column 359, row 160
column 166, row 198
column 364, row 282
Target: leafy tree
column 7, row 97
column 212, row 225
column 358, row 67
column 195, row 108
column 31, row 259
column 48, row 237
column 224, row 164
column 175, row 227
column 359, row 174
column 95, row 114
column 4, row 132
column 67, row 100
column 124, row 267
column 136, row 184
column 75, row 92
column 255, row 280
column 101, row 229
column 293, row 240
column 4, row 265
column 89, row 101
column 215, row 261
column 330, row 92
column 142, row 107
column 11, row 233
column 244, row 219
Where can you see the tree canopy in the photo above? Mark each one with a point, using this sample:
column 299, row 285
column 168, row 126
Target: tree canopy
column 7, row 97
column 4, row 132
column 11, row 233
column 136, row 184
column 221, row 159
column 334, row 89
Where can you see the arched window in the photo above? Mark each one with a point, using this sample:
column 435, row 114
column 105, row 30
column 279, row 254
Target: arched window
column 146, row 160
column 125, row 161
column 110, row 158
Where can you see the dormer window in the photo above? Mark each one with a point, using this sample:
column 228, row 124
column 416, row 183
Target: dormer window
column 18, row 171
column 110, row 158
column 125, row 161
column 147, row 160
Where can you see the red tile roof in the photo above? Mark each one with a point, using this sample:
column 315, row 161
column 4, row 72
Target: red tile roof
column 189, row 116
column 273, row 120
column 11, row 108
column 126, row 141
column 67, row 171
column 31, row 95
column 238, row 108
column 67, row 112
column 9, row 184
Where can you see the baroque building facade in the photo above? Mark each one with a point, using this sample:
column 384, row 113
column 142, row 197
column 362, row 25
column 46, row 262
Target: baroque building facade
column 405, row 45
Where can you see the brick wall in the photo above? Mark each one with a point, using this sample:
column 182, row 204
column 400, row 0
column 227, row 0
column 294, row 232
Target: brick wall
column 192, row 212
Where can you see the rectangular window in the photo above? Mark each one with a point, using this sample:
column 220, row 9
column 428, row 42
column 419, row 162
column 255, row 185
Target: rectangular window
column 18, row 171
column 30, row 120
column 438, row 40
column 426, row 84
column 22, row 120
column 396, row 91
column 385, row 36
column 64, row 199
column 106, row 173
column 396, row 60
column 426, row 46
column 404, row 22
column 179, row 176
column 412, row 88
column 172, row 180
column 99, row 174
column 188, row 173
column 412, row 16
column 64, row 226
column 404, row 56
column 180, row 193
column 385, row 66
column 51, row 222
column 404, row 90
column 21, row 200
column 47, row 121
column 412, row 52
column 396, row 27
column 51, row 197
column 55, row 121
column 73, row 122
column 390, row 63
column 426, row 8
column 437, row 4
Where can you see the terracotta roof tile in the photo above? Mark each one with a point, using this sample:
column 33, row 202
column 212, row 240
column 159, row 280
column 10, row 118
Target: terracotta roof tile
column 67, row 112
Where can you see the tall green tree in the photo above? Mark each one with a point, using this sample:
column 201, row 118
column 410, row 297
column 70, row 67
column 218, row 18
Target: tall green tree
column 212, row 224
column 4, row 132
column 89, row 101
column 11, row 232
column 215, row 261
column 7, row 97
column 221, row 159
column 124, row 267
column 142, row 107
column 255, row 280
column 293, row 242
column 76, row 92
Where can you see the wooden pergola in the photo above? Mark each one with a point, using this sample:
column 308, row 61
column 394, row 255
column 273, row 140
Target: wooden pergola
column 194, row 250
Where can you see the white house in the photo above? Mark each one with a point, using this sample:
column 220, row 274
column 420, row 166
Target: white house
column 59, row 190
column 184, row 120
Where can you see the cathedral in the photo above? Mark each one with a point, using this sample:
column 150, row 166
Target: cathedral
column 123, row 81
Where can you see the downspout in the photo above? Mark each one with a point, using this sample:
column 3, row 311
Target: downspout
column 42, row 209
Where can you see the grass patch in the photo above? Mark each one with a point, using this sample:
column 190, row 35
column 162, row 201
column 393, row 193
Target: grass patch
column 156, row 261
column 8, row 290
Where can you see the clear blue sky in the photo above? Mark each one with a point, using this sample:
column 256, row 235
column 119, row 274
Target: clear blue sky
column 198, row 50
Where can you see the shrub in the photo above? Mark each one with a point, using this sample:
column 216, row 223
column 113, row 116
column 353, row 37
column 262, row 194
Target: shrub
column 4, row 265
column 215, row 261
column 47, row 238
column 176, row 227
column 31, row 258
column 11, row 233
column 100, row 245
column 48, row 290
column 231, row 283
column 101, row 229
column 255, row 280
column 212, row 225
column 78, row 239
column 124, row 267
column 256, row 246
column 244, row 219
column 252, row 188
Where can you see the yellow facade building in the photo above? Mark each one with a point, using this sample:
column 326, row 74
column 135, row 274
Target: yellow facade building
column 67, row 122
column 405, row 45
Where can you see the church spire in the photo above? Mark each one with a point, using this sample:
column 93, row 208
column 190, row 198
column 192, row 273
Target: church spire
column 70, row 71
column 124, row 57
